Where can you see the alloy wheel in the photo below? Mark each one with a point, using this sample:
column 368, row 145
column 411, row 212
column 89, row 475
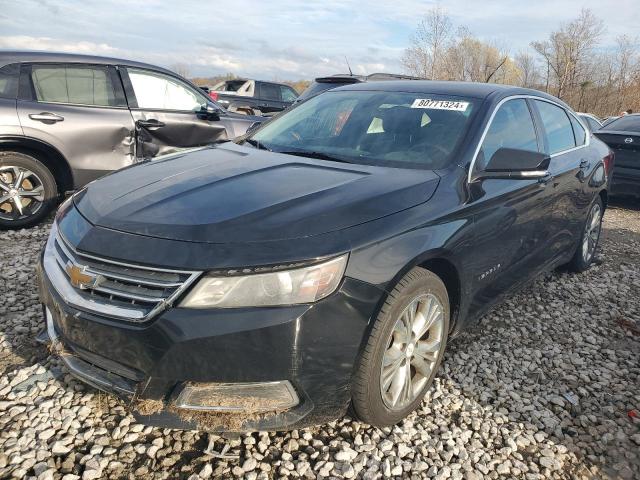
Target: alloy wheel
column 21, row 193
column 412, row 351
column 591, row 233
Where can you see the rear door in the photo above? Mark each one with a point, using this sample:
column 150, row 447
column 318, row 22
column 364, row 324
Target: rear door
column 168, row 113
column 567, row 203
column 81, row 110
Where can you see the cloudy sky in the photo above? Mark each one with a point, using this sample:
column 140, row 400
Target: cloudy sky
column 281, row 39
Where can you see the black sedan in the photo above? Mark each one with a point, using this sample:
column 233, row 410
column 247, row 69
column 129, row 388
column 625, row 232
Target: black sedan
column 324, row 261
column 623, row 136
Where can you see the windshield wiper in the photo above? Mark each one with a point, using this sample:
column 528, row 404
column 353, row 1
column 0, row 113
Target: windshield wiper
column 256, row 144
column 316, row 155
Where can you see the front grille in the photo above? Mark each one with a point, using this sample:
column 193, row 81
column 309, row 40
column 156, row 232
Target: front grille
column 98, row 285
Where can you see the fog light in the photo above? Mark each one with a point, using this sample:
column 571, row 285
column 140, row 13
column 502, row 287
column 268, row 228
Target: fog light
column 238, row 397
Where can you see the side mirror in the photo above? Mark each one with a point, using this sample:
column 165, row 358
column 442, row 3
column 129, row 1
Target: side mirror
column 516, row 164
column 209, row 112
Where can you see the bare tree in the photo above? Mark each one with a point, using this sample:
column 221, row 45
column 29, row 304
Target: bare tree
column 567, row 52
column 527, row 71
column 424, row 56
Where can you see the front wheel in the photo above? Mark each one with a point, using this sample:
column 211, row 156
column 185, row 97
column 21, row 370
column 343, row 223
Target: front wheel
column 589, row 239
column 28, row 190
column 404, row 350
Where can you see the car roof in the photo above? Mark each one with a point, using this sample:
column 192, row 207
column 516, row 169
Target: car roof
column 25, row 56
column 437, row 87
column 351, row 78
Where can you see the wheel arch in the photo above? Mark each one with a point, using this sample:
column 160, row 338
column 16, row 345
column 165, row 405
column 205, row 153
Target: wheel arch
column 440, row 262
column 604, row 196
column 45, row 153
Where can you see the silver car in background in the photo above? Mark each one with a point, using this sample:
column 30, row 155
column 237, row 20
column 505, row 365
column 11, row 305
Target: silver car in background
column 68, row 119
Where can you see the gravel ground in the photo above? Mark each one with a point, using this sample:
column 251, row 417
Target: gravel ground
column 544, row 387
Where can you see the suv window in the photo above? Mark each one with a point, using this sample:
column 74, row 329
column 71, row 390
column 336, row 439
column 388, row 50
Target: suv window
column 578, row 131
column 557, row 126
column 9, row 76
column 511, row 127
column 74, row 84
column 157, row 91
column 269, row 91
column 288, row 94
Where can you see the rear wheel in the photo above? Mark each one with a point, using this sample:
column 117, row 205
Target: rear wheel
column 589, row 239
column 404, row 350
column 28, row 190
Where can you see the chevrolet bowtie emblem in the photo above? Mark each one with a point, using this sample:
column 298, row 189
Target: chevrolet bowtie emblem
column 79, row 278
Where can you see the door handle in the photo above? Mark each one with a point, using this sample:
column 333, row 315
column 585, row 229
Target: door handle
column 46, row 117
column 150, row 124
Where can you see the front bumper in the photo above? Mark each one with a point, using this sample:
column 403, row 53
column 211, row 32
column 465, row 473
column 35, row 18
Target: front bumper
column 313, row 347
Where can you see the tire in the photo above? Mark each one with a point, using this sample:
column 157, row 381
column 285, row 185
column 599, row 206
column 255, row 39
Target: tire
column 581, row 261
column 373, row 404
column 38, row 188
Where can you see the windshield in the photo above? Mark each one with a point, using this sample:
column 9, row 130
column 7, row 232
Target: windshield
column 630, row 123
column 376, row 128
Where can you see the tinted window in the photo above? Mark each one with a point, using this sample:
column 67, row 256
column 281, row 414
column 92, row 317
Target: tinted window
column 288, row 94
column 628, row 122
column 157, row 91
column 268, row 91
column 578, row 131
column 9, row 75
column 557, row 126
column 374, row 128
column 512, row 127
column 90, row 85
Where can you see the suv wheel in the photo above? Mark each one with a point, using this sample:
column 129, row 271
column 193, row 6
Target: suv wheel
column 28, row 190
column 589, row 239
column 404, row 350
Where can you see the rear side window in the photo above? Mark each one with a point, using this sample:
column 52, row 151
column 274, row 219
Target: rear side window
column 557, row 126
column 90, row 85
column 9, row 76
column 630, row 123
column 288, row 94
column 578, row 131
column 512, row 127
column 269, row 91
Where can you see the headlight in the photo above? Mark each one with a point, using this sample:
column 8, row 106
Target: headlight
column 287, row 287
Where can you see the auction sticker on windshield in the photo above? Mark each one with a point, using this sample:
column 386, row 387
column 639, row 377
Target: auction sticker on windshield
column 440, row 104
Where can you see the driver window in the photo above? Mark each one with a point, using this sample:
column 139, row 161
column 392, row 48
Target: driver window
column 511, row 127
column 156, row 91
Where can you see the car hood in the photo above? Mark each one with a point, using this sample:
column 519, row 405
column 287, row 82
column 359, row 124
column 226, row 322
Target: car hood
column 232, row 193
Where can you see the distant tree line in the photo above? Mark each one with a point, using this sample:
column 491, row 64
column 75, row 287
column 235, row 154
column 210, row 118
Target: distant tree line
column 570, row 63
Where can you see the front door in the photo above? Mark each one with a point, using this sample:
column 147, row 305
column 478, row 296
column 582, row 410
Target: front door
column 169, row 114
column 510, row 220
column 81, row 111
